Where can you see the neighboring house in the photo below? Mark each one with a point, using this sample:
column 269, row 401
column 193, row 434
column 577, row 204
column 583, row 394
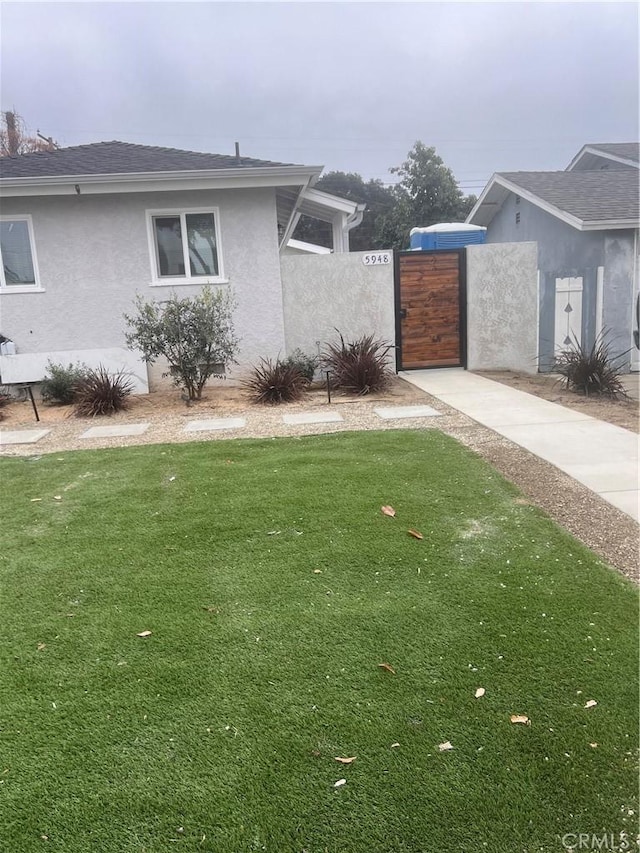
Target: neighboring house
column 85, row 229
column 585, row 221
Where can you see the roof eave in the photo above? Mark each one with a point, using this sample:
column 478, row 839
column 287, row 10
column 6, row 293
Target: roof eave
column 477, row 216
column 140, row 181
column 610, row 224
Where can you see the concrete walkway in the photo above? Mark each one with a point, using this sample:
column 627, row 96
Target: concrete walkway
column 601, row 456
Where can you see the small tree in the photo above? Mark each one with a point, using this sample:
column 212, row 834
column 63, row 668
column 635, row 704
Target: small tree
column 195, row 335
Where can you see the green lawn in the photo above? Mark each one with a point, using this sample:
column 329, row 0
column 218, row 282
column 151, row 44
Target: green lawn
column 219, row 731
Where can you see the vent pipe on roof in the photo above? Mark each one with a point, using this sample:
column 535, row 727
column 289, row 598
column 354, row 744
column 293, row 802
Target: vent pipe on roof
column 237, row 153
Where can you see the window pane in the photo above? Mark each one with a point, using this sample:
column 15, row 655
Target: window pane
column 16, row 253
column 169, row 245
column 201, row 236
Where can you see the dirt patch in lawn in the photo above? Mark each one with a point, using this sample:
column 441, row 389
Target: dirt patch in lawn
column 623, row 413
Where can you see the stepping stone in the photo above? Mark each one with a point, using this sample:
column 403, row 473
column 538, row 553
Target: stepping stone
column 215, row 423
column 406, row 412
column 115, row 431
column 22, row 436
column 312, row 418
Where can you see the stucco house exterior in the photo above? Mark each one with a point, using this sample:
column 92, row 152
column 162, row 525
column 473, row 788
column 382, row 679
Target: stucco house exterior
column 585, row 221
column 85, row 229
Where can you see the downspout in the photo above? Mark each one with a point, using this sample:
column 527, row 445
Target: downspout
column 352, row 221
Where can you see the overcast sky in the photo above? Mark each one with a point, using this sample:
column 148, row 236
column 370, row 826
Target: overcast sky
column 351, row 86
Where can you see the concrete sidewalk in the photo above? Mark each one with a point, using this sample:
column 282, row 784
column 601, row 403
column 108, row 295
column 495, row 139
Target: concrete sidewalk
column 601, row 456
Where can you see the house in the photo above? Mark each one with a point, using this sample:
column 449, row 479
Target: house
column 585, row 222
column 85, row 229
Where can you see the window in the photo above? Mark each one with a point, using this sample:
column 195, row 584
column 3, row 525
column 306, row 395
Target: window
column 518, row 218
column 184, row 246
column 19, row 269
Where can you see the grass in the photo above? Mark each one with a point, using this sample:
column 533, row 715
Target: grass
column 219, row 731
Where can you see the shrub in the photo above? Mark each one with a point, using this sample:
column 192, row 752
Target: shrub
column 195, row 335
column 591, row 370
column 102, row 393
column 275, row 382
column 59, row 386
column 359, row 367
column 306, row 364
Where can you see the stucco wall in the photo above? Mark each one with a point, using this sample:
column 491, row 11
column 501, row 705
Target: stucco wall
column 565, row 252
column 502, row 307
column 560, row 246
column 93, row 256
column 322, row 293
column 618, row 290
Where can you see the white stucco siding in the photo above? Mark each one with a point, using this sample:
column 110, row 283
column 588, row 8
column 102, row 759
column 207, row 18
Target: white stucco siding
column 502, row 307
column 323, row 293
column 93, row 257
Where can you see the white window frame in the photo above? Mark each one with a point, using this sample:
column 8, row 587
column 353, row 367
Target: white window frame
column 21, row 288
column 172, row 281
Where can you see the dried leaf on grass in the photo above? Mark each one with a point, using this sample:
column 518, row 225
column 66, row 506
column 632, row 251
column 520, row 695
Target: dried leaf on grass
column 591, row 703
column 35, row 500
column 394, row 745
column 346, row 760
column 208, row 608
column 520, row 718
column 479, row 692
column 57, row 497
column 387, row 668
column 446, row 746
column 415, row 533
column 339, row 783
column 41, row 646
column 144, row 634
column 388, row 510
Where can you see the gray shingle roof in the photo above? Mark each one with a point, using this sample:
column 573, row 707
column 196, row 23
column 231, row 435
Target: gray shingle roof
column 112, row 158
column 590, row 196
column 626, row 150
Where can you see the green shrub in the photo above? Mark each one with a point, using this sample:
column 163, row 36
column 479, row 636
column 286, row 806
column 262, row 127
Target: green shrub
column 592, row 370
column 102, row 393
column 275, row 382
column 306, row 364
column 359, row 367
column 195, row 334
column 59, row 386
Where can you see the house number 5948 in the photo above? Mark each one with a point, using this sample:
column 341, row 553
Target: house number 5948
column 375, row 258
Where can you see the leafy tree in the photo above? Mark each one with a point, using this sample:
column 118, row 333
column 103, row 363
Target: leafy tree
column 15, row 139
column 379, row 201
column 195, row 335
column 426, row 194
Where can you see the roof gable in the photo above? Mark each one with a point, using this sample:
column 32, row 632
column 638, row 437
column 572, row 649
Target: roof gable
column 120, row 158
column 606, row 155
column 585, row 200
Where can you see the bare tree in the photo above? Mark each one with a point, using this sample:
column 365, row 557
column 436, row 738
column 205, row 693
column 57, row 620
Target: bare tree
column 15, row 138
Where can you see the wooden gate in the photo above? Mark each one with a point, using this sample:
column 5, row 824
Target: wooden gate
column 430, row 309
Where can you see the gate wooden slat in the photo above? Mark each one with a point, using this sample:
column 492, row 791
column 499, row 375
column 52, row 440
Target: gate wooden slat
column 429, row 291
